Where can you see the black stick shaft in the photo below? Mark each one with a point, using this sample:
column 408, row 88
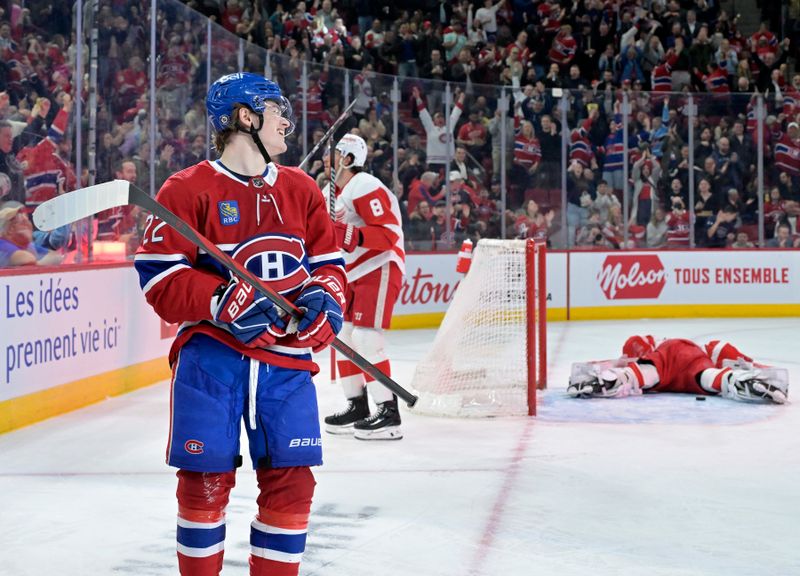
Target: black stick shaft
column 143, row 200
column 327, row 135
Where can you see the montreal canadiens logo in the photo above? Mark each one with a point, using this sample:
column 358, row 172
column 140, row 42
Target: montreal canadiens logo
column 280, row 261
column 193, row 446
column 632, row 276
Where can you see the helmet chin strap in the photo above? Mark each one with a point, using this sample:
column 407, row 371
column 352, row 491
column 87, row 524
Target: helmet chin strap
column 253, row 131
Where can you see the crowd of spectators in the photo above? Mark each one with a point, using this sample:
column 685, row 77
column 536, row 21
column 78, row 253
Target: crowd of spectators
column 599, row 53
column 567, row 67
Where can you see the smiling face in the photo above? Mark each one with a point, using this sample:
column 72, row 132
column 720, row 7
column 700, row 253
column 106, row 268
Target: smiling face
column 273, row 130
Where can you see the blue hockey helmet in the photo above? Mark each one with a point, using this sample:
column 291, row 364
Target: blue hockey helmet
column 251, row 90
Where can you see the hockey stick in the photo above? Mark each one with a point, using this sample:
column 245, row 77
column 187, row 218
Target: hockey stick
column 85, row 202
column 332, row 174
column 331, row 194
column 342, row 117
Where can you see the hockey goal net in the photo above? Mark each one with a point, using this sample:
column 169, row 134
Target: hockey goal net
column 489, row 355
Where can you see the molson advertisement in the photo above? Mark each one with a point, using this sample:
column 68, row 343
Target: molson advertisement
column 684, row 283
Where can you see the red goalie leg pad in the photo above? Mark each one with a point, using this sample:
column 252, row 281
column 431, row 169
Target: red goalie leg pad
column 278, row 534
column 384, row 367
column 202, row 498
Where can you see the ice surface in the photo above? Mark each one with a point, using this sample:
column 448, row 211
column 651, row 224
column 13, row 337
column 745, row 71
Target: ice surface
column 645, row 486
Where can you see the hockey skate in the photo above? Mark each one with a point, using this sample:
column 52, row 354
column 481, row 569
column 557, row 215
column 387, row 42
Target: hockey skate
column 342, row 422
column 384, row 424
column 756, row 385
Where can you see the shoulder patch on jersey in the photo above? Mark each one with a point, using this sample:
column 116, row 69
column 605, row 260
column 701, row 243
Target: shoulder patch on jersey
column 228, row 212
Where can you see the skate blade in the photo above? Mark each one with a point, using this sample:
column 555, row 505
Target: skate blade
column 392, row 433
column 339, row 430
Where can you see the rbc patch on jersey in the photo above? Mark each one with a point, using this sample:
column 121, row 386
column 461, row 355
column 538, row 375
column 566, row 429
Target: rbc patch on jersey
column 228, row 212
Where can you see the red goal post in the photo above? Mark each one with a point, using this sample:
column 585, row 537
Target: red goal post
column 489, row 356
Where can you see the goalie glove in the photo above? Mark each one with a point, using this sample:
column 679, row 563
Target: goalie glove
column 348, row 237
column 756, row 385
column 588, row 381
column 251, row 317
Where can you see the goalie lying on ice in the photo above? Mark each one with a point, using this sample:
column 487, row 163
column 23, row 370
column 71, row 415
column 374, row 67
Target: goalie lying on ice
column 677, row 365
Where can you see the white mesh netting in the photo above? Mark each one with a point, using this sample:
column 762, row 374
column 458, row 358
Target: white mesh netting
column 477, row 363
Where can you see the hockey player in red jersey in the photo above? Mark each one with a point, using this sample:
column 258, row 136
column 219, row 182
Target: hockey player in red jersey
column 370, row 233
column 235, row 356
column 678, row 365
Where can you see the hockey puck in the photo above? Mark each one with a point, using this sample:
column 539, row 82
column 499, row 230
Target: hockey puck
column 700, row 398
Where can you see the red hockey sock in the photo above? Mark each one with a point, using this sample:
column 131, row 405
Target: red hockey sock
column 278, row 534
column 644, row 375
column 711, row 379
column 202, row 498
column 384, row 367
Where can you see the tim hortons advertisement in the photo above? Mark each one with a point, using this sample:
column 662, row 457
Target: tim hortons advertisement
column 607, row 279
column 429, row 285
column 431, row 280
column 65, row 326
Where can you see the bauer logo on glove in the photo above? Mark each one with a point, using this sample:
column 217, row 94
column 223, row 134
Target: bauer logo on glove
column 251, row 317
column 322, row 301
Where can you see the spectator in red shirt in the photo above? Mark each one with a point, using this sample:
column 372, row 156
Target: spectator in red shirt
column 423, row 189
column 472, row 135
column 527, row 155
column 678, row 225
column 563, row 48
column 787, row 153
column 131, row 83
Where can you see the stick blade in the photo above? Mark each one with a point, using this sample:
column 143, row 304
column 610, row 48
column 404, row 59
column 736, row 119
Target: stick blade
column 81, row 203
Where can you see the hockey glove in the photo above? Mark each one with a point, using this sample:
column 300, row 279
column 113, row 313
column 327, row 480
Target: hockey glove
column 251, row 317
column 348, row 237
column 322, row 301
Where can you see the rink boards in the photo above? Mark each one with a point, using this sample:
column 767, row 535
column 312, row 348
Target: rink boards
column 75, row 335
column 597, row 285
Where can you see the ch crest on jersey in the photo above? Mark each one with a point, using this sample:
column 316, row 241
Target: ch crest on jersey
column 280, row 261
column 228, row 212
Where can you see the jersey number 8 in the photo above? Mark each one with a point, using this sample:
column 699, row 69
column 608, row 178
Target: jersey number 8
column 376, row 207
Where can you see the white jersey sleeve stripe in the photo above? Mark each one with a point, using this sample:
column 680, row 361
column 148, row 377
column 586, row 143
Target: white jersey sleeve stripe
column 159, row 277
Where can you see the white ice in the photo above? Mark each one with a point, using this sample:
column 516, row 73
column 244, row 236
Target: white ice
column 653, row 485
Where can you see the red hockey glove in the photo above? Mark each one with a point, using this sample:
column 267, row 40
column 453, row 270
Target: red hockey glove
column 348, row 237
column 251, row 317
column 322, row 301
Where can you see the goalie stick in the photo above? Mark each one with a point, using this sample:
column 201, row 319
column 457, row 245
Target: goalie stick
column 85, row 202
column 342, row 117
